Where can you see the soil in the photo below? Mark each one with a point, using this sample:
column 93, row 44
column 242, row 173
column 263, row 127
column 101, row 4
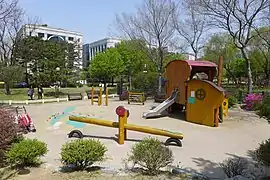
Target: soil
column 202, row 151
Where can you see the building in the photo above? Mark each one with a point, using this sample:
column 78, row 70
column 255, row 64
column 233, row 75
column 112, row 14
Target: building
column 90, row 50
column 189, row 56
column 49, row 33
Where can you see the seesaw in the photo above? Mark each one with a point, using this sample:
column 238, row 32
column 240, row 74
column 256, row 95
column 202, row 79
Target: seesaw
column 123, row 114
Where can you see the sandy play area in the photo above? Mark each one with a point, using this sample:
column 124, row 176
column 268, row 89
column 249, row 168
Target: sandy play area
column 203, row 147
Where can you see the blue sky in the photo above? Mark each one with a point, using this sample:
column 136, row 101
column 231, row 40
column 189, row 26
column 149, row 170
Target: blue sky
column 94, row 18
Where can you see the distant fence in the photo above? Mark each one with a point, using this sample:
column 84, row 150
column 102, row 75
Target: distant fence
column 42, row 101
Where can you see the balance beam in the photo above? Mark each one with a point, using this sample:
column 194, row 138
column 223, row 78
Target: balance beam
column 123, row 126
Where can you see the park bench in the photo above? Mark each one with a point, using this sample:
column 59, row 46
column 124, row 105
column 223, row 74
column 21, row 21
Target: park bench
column 89, row 94
column 75, row 96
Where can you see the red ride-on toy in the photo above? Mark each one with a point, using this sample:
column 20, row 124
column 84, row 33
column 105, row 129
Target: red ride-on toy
column 24, row 119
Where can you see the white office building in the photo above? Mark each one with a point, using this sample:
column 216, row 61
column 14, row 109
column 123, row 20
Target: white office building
column 90, row 50
column 49, row 33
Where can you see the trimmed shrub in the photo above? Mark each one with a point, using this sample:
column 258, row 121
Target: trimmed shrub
column 252, row 100
column 234, row 166
column 82, row 153
column 263, row 109
column 26, row 152
column 8, row 131
column 151, row 155
column 262, row 153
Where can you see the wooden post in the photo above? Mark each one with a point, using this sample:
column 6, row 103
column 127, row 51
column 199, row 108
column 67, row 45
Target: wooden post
column 92, row 95
column 107, row 94
column 125, row 122
column 100, row 97
column 220, row 72
column 121, row 133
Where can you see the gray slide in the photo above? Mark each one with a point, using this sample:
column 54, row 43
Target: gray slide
column 161, row 107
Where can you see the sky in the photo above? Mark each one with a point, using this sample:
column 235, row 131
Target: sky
column 93, row 18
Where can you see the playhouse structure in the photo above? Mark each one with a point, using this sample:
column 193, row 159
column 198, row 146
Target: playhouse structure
column 189, row 85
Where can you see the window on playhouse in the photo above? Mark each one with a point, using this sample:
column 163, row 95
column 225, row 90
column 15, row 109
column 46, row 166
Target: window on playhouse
column 201, row 76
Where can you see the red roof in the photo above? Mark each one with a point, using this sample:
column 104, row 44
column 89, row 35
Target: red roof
column 201, row 63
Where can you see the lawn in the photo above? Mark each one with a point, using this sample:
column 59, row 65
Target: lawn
column 21, row 93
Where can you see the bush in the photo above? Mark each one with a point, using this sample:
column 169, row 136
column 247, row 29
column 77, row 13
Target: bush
column 262, row 154
column 151, row 155
column 8, row 131
column 234, row 166
column 8, row 128
column 145, row 81
column 232, row 100
column 263, row 109
column 82, row 153
column 252, row 100
column 26, row 152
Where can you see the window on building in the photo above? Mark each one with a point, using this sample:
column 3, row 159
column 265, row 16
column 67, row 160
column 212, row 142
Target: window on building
column 105, row 47
column 41, row 35
column 79, row 39
column 70, row 38
column 64, row 37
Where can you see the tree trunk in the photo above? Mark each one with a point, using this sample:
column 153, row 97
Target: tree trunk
column 112, row 81
column 129, row 81
column 105, row 86
column 267, row 81
column 249, row 72
column 160, row 71
column 26, row 75
column 7, row 87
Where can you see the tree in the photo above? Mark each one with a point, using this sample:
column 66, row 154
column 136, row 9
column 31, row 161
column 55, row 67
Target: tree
column 193, row 27
column 28, row 51
column 152, row 23
column 134, row 58
column 106, row 65
column 42, row 59
column 10, row 20
column 169, row 56
column 222, row 45
column 260, row 51
column 238, row 18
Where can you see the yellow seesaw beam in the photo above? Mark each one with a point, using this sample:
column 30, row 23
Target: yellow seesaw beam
column 143, row 129
column 155, row 131
column 95, row 121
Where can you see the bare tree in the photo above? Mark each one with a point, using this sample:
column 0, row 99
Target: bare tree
column 191, row 25
column 11, row 16
column 238, row 17
column 152, row 23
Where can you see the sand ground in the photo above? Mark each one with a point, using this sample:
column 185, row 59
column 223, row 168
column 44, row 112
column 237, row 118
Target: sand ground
column 203, row 147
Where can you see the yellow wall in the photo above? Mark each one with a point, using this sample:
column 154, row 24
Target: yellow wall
column 202, row 111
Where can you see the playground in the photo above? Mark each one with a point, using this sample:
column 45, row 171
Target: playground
column 203, row 146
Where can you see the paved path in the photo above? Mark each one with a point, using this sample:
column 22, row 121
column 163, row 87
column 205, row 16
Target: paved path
column 203, row 147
